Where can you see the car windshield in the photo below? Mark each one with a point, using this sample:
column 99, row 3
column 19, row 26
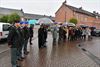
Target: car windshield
column 5, row 27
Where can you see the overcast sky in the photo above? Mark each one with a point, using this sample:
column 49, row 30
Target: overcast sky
column 49, row 7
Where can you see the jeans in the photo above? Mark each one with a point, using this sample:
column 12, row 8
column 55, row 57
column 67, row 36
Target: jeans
column 19, row 52
column 14, row 57
column 30, row 39
column 25, row 46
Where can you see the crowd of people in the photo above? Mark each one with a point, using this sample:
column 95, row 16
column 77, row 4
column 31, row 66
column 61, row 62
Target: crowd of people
column 70, row 33
column 63, row 33
column 20, row 34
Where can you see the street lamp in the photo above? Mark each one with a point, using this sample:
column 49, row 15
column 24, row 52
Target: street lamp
column 65, row 16
column 65, row 11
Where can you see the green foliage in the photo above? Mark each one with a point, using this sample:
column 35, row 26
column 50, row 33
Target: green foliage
column 73, row 20
column 10, row 18
column 4, row 19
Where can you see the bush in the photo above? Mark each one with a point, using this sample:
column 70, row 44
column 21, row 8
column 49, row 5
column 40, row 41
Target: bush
column 10, row 18
column 73, row 20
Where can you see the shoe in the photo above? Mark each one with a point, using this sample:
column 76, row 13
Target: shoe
column 18, row 66
column 27, row 53
column 30, row 43
column 20, row 59
column 44, row 46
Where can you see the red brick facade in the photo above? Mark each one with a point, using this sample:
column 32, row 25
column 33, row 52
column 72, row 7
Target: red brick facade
column 64, row 14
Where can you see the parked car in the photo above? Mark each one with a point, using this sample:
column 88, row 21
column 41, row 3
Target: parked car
column 4, row 30
column 96, row 32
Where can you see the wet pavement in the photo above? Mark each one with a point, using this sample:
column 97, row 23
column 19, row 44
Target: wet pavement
column 64, row 54
column 60, row 55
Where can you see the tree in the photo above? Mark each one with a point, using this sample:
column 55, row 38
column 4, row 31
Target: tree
column 73, row 20
column 4, row 19
column 10, row 18
column 13, row 17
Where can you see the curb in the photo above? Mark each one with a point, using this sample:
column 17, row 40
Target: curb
column 4, row 51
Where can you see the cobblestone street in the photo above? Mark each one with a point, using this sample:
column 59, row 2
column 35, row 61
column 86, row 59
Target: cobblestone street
column 60, row 55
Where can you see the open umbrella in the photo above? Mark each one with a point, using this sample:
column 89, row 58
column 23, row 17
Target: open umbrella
column 83, row 26
column 23, row 22
column 45, row 21
column 70, row 24
column 32, row 21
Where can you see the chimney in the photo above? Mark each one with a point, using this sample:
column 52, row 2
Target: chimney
column 80, row 8
column 50, row 16
column 44, row 15
column 21, row 9
column 97, row 13
column 64, row 2
column 94, row 12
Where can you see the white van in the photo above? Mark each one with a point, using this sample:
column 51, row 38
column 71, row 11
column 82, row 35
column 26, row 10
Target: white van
column 4, row 30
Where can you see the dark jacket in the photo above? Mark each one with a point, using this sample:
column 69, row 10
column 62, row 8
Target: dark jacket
column 41, row 37
column 21, row 31
column 26, row 33
column 14, row 37
column 45, row 33
column 31, row 31
column 60, row 32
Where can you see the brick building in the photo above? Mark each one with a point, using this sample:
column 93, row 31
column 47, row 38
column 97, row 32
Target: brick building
column 66, row 12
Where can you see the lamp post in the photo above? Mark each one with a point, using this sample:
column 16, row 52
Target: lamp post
column 65, row 16
column 65, row 10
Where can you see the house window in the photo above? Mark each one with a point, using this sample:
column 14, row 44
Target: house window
column 74, row 13
column 77, row 16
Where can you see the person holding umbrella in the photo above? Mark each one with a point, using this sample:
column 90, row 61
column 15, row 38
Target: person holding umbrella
column 41, row 36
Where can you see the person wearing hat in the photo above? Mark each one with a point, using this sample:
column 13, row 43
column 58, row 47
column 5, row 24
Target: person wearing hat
column 14, row 41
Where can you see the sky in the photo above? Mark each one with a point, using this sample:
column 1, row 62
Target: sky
column 49, row 7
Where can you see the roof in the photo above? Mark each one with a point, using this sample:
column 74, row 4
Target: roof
column 80, row 10
column 36, row 16
column 7, row 11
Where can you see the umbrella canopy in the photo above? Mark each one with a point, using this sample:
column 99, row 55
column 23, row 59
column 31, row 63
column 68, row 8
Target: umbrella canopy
column 32, row 21
column 83, row 26
column 64, row 24
column 23, row 22
column 68, row 24
column 55, row 23
column 93, row 27
column 45, row 21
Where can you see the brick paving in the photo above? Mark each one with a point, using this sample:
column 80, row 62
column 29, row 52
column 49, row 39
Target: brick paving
column 93, row 46
column 3, row 47
column 60, row 55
